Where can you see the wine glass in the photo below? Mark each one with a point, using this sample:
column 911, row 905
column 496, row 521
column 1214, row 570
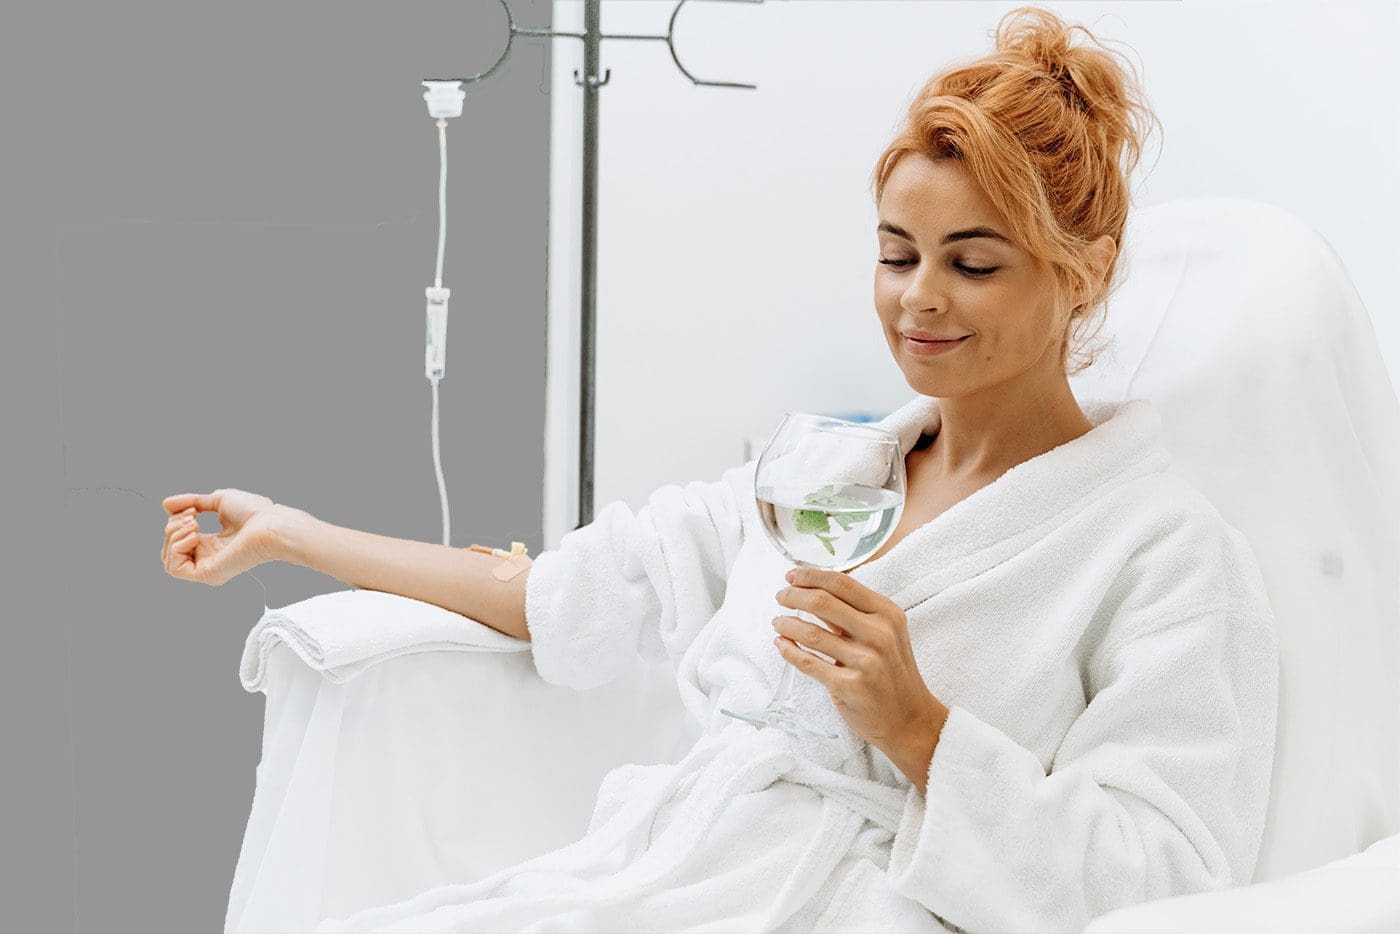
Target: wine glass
column 830, row 492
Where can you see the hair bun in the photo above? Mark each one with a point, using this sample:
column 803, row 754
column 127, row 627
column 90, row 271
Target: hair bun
column 1038, row 34
column 1043, row 41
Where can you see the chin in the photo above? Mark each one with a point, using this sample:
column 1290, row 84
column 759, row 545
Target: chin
column 926, row 385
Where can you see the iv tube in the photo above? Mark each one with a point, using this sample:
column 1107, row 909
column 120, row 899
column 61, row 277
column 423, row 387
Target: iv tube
column 444, row 99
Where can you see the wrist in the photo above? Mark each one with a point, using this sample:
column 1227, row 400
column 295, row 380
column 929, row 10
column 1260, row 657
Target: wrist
column 914, row 749
column 287, row 532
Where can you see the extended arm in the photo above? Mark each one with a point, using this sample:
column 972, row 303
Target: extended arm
column 455, row 579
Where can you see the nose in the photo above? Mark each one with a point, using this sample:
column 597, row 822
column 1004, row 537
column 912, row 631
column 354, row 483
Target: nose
column 923, row 292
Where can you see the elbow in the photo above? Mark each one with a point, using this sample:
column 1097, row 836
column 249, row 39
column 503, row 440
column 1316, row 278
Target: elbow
column 1167, row 856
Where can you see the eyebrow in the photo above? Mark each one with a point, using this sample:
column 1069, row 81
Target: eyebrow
column 970, row 233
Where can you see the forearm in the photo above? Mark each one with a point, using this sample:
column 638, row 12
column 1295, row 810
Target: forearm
column 455, row 579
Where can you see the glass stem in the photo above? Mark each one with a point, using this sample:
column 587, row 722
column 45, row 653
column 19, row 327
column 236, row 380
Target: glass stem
column 784, row 691
column 783, row 694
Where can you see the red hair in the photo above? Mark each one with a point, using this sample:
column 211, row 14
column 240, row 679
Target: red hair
column 1050, row 132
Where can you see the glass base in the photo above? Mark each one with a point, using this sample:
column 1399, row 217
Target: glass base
column 783, row 717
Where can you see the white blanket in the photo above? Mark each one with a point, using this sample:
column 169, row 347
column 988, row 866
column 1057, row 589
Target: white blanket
column 1101, row 638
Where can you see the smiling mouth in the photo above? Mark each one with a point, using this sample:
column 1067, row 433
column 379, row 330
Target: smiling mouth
column 929, row 349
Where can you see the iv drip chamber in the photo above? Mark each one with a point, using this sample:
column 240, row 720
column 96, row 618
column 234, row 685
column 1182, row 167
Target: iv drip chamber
column 435, row 356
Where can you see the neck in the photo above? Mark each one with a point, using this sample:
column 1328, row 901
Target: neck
column 988, row 432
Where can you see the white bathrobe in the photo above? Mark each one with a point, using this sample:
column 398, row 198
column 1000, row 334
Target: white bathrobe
column 1101, row 638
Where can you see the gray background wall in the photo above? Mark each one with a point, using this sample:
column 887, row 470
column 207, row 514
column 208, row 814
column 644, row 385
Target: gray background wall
column 218, row 224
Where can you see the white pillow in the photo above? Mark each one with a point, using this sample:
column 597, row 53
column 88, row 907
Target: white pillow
column 1356, row 895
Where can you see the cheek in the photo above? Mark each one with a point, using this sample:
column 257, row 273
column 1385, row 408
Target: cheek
column 985, row 297
column 887, row 305
column 886, row 293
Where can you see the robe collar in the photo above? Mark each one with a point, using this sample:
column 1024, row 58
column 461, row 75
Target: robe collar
column 1124, row 443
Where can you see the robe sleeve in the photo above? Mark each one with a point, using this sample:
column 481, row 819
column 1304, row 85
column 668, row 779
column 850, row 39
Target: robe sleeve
column 1159, row 788
column 629, row 584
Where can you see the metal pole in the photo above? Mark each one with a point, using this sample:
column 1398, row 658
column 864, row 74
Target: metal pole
column 592, row 30
column 592, row 37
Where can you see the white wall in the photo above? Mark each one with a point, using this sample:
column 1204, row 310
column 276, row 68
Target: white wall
column 736, row 235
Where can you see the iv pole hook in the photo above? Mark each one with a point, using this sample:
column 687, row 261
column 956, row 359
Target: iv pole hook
column 593, row 81
column 669, row 39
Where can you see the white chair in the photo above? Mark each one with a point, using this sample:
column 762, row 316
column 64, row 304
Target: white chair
column 1240, row 323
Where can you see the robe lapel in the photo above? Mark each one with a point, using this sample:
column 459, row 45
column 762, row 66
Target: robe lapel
column 990, row 526
column 1001, row 518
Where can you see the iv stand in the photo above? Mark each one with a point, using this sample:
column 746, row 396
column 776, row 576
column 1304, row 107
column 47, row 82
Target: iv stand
column 590, row 83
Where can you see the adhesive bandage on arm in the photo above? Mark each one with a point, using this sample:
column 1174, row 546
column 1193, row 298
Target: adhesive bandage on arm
column 515, row 561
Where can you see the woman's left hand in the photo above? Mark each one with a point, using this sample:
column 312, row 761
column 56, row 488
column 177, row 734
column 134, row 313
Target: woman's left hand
column 874, row 682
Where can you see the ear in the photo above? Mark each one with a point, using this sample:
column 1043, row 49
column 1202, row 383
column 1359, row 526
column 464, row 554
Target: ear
column 1101, row 253
column 1103, row 250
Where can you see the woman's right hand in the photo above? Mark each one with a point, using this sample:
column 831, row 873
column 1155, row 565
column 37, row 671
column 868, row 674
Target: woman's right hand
column 241, row 544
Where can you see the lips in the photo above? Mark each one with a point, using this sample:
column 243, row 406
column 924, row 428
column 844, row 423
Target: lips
column 932, row 348
column 930, row 336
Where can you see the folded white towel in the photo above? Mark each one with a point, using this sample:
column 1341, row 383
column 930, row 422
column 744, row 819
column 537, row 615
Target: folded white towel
column 340, row 634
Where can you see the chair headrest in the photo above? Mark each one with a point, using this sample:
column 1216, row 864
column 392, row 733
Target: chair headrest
column 1240, row 322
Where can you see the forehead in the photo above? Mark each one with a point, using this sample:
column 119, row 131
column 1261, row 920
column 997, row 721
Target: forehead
column 934, row 194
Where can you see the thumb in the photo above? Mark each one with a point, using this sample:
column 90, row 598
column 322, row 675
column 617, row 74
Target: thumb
column 202, row 502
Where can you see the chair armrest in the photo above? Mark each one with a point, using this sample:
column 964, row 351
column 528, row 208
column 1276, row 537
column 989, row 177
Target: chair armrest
column 341, row 633
column 428, row 768
column 1356, row 895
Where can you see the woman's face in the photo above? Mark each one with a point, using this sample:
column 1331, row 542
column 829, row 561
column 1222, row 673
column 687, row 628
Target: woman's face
column 934, row 276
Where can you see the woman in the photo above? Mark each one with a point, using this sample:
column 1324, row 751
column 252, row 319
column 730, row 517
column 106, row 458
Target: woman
column 1055, row 686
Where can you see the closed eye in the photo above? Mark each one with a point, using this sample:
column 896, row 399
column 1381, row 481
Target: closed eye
column 972, row 272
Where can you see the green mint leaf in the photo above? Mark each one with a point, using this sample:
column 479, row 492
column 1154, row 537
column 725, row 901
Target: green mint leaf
column 810, row 521
column 848, row 519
